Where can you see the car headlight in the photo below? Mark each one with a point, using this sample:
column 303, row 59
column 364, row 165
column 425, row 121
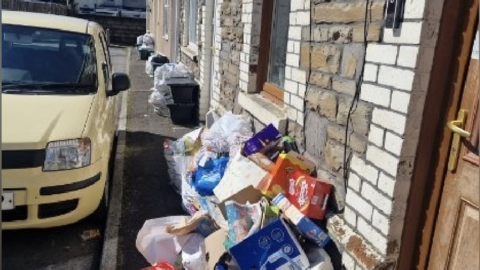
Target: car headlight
column 68, row 154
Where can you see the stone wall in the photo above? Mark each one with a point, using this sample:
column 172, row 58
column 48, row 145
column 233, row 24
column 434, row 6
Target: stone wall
column 335, row 79
column 231, row 44
column 50, row 8
column 123, row 31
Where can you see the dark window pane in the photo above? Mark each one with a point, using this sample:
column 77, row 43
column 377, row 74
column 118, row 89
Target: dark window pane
column 278, row 44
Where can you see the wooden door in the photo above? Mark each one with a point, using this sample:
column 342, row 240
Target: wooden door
column 456, row 237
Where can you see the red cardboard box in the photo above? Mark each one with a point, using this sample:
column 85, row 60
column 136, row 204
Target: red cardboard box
column 308, row 194
column 286, row 164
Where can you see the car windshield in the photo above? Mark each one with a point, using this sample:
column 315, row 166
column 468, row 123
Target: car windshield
column 39, row 60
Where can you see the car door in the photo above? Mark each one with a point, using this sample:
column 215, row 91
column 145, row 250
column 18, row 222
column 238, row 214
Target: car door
column 110, row 101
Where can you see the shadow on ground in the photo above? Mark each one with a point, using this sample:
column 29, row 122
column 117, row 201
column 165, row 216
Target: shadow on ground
column 147, row 193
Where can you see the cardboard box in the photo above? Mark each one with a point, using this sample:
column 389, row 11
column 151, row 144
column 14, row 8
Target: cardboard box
column 265, row 138
column 263, row 161
column 308, row 194
column 267, row 247
column 305, row 226
column 277, row 181
column 214, row 248
column 241, row 173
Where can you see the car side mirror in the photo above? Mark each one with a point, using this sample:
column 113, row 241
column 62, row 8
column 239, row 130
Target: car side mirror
column 120, row 82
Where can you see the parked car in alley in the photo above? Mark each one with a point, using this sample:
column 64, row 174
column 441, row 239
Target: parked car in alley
column 59, row 119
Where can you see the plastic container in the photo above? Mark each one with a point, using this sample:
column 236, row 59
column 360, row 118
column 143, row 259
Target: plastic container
column 144, row 53
column 182, row 113
column 184, row 93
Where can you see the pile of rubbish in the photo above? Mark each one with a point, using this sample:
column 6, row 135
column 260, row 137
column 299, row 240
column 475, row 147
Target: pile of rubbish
column 252, row 199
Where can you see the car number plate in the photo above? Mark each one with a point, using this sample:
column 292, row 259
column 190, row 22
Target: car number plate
column 7, row 201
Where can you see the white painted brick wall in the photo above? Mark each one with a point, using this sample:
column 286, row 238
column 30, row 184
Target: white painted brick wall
column 414, row 9
column 359, row 204
column 368, row 172
column 396, row 77
column 409, row 34
column 375, row 135
column 375, row 94
column 291, row 86
column 295, row 32
column 383, row 160
column 297, row 5
column 348, row 261
column 297, row 102
column 381, row 222
column 393, row 143
column 296, row 47
column 370, row 72
column 303, row 18
column 350, row 217
column 290, row 46
column 377, row 199
column 302, row 90
column 292, row 113
column 286, row 97
column 293, row 59
column 299, row 75
column 300, row 118
column 374, row 237
column 380, row 53
column 354, row 181
column 288, row 72
column 407, row 56
column 386, row 184
column 400, row 101
column 293, row 18
column 389, row 120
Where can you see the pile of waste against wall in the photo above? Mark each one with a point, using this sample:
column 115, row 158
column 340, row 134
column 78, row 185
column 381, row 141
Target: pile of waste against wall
column 175, row 93
column 254, row 202
column 145, row 45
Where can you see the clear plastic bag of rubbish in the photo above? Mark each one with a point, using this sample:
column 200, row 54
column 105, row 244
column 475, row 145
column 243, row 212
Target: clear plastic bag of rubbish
column 156, row 245
column 172, row 70
column 165, row 91
column 159, row 104
column 148, row 39
column 149, row 66
column 217, row 135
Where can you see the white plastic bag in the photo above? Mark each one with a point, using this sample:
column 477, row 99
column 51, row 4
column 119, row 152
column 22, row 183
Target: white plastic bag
column 217, row 135
column 148, row 39
column 149, row 66
column 156, row 245
column 193, row 253
column 319, row 259
column 171, row 70
column 159, row 103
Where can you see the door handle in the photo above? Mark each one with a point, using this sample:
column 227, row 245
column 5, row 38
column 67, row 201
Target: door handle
column 457, row 127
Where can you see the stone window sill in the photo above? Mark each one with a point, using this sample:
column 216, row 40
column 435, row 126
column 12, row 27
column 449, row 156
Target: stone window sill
column 264, row 110
column 190, row 52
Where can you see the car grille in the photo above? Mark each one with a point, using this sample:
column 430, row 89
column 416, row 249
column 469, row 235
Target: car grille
column 56, row 209
column 19, row 213
column 21, row 159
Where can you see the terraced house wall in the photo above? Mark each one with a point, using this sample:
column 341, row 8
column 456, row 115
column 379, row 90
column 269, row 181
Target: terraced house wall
column 338, row 75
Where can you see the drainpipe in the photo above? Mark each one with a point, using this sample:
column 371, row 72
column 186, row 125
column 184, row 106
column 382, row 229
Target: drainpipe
column 208, row 50
column 174, row 44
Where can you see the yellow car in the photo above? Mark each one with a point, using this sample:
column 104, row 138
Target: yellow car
column 59, row 119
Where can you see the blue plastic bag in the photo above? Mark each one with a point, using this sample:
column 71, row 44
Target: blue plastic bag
column 208, row 176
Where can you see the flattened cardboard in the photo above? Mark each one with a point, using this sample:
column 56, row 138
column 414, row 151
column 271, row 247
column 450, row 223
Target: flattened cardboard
column 248, row 194
column 214, row 248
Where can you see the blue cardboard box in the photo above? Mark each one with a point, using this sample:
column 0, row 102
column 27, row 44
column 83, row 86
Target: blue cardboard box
column 272, row 247
column 305, row 225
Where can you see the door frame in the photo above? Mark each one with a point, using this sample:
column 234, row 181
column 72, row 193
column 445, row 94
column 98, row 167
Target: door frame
column 441, row 104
